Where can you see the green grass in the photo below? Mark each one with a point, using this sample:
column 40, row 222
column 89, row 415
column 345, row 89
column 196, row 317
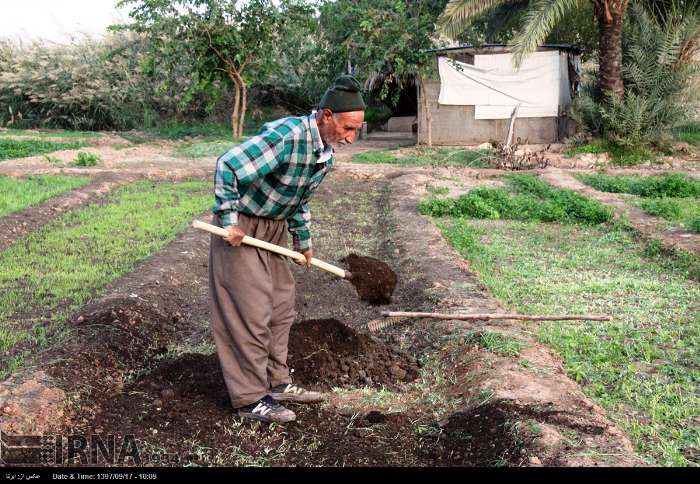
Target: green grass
column 668, row 185
column 524, row 198
column 20, row 193
column 49, row 134
column 205, row 148
column 59, row 267
column 10, row 148
column 690, row 133
column 494, row 342
column 176, row 131
column 437, row 157
column 673, row 197
column 618, row 154
column 644, row 366
column 684, row 212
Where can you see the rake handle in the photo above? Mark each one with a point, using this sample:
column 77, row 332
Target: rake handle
column 261, row 244
column 469, row 317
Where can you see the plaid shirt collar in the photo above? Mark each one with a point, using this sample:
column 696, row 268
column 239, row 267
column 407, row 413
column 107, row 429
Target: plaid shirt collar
column 323, row 151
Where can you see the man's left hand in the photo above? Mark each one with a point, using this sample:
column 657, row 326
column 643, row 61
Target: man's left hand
column 308, row 254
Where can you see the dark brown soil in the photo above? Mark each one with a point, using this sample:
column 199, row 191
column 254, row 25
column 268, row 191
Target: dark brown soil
column 326, row 353
column 374, row 280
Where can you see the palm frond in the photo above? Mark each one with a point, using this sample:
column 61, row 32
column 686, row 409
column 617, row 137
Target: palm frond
column 538, row 22
column 459, row 14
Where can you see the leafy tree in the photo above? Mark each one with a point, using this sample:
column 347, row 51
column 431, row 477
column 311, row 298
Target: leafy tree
column 231, row 41
column 657, row 87
column 381, row 41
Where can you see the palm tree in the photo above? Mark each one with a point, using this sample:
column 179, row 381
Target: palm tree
column 540, row 17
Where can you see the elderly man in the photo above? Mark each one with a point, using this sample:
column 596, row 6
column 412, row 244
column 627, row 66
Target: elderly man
column 262, row 189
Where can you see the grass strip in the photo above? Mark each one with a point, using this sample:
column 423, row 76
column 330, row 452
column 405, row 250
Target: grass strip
column 50, row 274
column 205, row 148
column 655, row 186
column 11, row 148
column 524, row 198
column 690, row 133
column 673, row 197
column 20, row 193
column 643, row 367
column 49, row 134
column 436, row 157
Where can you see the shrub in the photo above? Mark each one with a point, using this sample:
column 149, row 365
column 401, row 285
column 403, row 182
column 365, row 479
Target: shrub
column 86, row 159
column 107, row 84
column 656, row 89
column 694, row 225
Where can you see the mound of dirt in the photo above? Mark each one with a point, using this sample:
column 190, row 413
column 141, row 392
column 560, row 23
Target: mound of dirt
column 482, row 436
column 326, row 353
column 373, row 279
column 114, row 339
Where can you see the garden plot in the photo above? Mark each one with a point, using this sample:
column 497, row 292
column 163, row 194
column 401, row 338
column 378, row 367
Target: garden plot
column 23, row 148
column 418, row 394
column 647, row 226
column 48, row 275
column 672, row 197
column 34, row 204
column 642, row 367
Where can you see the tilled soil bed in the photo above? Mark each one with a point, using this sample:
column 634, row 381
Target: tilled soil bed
column 326, row 353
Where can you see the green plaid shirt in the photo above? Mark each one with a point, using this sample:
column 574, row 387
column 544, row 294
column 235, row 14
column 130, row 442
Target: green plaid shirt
column 273, row 174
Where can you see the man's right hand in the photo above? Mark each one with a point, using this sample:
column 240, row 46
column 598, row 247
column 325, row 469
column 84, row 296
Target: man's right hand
column 235, row 235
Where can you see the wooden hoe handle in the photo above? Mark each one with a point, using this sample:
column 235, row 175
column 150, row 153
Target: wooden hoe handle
column 261, row 244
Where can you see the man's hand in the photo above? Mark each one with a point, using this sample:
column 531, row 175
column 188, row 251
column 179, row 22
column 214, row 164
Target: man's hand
column 308, row 254
column 235, row 235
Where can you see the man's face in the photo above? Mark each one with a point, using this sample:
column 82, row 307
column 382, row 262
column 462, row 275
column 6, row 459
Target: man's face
column 340, row 127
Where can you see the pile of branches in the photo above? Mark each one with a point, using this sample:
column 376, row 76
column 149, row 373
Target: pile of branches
column 511, row 157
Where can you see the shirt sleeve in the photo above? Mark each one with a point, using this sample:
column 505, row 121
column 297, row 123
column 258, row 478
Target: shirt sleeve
column 299, row 225
column 244, row 163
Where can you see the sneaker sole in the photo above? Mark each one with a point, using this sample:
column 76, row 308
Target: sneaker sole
column 266, row 419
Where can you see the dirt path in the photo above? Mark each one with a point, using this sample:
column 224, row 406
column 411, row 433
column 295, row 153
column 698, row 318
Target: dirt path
column 646, row 225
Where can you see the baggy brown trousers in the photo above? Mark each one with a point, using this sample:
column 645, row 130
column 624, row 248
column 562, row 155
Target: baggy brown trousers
column 251, row 293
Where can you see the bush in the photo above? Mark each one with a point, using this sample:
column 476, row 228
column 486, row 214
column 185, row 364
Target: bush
column 694, row 225
column 86, row 159
column 656, row 89
column 526, row 198
column 93, row 85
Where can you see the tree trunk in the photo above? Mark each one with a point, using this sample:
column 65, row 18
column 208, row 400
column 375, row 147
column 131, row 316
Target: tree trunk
column 236, row 105
column 426, row 110
column 610, row 15
column 243, row 107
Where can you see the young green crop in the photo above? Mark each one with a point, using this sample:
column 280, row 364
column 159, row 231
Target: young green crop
column 524, row 198
column 52, row 272
column 20, row 193
column 11, row 148
column 643, row 366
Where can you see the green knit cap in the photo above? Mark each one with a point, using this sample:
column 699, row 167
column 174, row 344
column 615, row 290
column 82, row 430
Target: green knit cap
column 343, row 96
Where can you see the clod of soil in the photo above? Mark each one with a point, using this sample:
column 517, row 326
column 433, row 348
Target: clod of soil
column 373, row 279
column 326, row 353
